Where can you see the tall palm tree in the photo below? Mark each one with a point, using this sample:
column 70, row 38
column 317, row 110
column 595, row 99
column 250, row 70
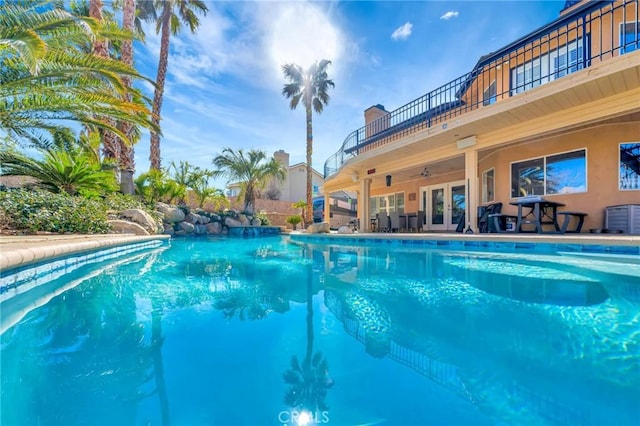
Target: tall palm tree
column 251, row 170
column 174, row 14
column 127, row 159
column 48, row 79
column 110, row 144
column 312, row 88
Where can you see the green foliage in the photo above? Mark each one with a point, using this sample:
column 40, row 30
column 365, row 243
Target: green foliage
column 61, row 171
column 294, row 220
column 43, row 211
column 48, row 79
column 252, row 170
column 155, row 185
column 263, row 218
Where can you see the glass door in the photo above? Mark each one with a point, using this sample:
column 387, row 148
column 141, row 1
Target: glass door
column 444, row 204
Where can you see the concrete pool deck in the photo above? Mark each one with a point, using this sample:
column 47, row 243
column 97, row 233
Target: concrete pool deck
column 16, row 251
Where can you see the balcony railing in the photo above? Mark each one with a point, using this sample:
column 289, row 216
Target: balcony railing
column 595, row 32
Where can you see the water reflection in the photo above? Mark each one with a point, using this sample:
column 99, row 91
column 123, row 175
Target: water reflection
column 443, row 315
column 309, row 381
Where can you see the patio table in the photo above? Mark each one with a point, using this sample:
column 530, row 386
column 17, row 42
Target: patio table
column 539, row 212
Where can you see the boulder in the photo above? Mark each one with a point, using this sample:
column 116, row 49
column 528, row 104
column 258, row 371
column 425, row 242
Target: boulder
column 168, row 229
column 187, row 227
column 171, row 214
column 126, row 227
column 319, row 228
column 142, row 218
column 256, row 222
column 232, row 222
column 214, row 228
column 244, row 220
column 345, row 230
column 201, row 229
column 191, row 218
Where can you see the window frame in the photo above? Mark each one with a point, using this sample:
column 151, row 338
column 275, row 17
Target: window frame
column 544, row 173
column 489, row 96
column 622, row 35
column 485, row 193
column 620, row 167
column 546, row 64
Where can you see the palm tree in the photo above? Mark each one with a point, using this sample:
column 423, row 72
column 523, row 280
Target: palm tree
column 60, row 171
column 312, row 87
column 127, row 159
column 251, row 170
column 174, row 14
column 110, row 144
column 47, row 79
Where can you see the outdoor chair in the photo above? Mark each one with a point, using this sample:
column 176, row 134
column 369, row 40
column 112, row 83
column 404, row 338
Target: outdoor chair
column 394, row 217
column 384, row 224
column 416, row 222
column 485, row 219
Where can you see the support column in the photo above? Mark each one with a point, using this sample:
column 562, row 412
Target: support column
column 327, row 208
column 363, row 205
column 471, row 181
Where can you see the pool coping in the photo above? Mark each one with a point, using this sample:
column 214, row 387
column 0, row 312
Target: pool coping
column 19, row 251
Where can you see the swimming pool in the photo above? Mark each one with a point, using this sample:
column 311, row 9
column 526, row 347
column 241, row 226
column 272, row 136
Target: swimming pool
column 257, row 331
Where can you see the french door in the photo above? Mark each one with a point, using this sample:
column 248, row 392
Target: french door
column 444, row 205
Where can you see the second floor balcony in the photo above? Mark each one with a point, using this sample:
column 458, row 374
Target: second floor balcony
column 586, row 36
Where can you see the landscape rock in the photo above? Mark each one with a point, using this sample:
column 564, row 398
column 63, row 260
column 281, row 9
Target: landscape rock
column 256, row 222
column 319, row 228
column 232, row 222
column 171, row 214
column 345, row 230
column 142, row 218
column 214, row 228
column 187, row 227
column 125, row 227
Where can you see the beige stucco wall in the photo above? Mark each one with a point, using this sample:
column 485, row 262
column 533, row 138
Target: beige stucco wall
column 602, row 145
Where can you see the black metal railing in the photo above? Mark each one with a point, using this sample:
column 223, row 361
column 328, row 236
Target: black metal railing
column 595, row 32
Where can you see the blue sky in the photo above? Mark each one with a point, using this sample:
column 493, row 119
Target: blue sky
column 224, row 82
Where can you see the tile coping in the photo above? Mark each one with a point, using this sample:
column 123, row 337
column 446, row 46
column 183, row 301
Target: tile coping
column 20, row 251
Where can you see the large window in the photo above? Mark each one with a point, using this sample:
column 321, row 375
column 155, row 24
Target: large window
column 629, row 37
column 488, row 186
column 555, row 64
column 387, row 203
column 564, row 173
column 629, row 166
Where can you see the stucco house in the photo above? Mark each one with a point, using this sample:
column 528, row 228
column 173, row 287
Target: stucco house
column 554, row 114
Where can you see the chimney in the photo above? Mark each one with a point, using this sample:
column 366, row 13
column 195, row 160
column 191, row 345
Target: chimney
column 376, row 119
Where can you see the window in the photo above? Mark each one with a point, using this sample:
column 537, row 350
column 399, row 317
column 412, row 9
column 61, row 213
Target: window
column 629, row 166
column 564, row 173
column 629, row 37
column 316, row 189
column 489, row 96
column 488, row 186
column 387, row 203
column 555, row 64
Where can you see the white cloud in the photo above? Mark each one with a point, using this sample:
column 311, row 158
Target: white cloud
column 450, row 14
column 403, row 32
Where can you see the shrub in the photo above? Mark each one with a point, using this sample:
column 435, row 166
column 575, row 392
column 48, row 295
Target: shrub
column 45, row 211
column 294, row 220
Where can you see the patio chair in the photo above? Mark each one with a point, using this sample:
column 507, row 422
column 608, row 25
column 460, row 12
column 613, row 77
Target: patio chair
column 394, row 217
column 416, row 222
column 384, row 223
column 485, row 221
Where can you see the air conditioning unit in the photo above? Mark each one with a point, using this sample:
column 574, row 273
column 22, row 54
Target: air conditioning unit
column 624, row 217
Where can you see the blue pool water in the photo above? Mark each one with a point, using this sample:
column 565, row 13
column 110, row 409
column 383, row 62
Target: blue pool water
column 258, row 331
